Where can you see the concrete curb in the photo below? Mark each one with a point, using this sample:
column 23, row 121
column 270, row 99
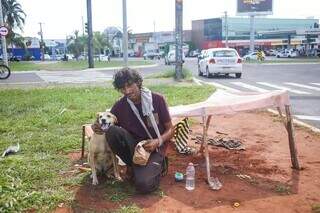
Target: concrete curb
column 275, row 64
column 89, row 69
column 298, row 122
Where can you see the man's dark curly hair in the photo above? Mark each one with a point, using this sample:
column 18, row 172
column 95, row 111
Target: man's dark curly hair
column 126, row 76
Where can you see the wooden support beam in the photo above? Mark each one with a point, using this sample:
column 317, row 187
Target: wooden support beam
column 83, row 140
column 292, row 146
column 283, row 119
column 206, row 122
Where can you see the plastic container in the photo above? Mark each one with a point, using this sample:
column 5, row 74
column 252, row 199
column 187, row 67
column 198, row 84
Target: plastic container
column 190, row 177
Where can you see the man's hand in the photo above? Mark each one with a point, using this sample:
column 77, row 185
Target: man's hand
column 96, row 127
column 151, row 145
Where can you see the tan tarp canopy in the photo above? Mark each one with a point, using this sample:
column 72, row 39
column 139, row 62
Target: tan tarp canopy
column 223, row 102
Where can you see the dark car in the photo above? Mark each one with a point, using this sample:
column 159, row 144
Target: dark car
column 15, row 58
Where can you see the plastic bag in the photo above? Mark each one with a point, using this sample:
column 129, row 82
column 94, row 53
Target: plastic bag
column 141, row 156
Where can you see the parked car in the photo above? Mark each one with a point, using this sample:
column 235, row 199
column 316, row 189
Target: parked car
column 194, row 53
column 271, row 52
column 47, row 57
column 286, row 54
column 201, row 55
column 170, row 58
column 318, row 52
column 218, row 61
column 254, row 56
column 12, row 58
column 15, row 58
column 151, row 55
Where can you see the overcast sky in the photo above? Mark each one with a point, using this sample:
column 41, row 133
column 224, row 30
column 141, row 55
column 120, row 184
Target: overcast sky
column 63, row 17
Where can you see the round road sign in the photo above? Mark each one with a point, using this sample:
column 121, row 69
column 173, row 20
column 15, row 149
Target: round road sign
column 4, row 31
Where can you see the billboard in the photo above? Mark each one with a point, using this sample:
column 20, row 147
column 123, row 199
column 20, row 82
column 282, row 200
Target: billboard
column 254, row 7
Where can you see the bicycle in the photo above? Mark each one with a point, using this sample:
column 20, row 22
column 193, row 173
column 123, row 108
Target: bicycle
column 5, row 71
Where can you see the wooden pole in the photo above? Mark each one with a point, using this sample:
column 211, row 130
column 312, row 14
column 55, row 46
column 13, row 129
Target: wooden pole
column 206, row 122
column 83, row 140
column 292, row 146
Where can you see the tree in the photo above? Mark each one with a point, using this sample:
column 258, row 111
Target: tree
column 100, row 43
column 13, row 15
column 76, row 44
column 14, row 18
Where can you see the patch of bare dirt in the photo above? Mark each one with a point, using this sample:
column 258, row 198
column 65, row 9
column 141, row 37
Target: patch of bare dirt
column 259, row 178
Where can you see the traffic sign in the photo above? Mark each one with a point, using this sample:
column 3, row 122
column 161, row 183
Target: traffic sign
column 4, row 31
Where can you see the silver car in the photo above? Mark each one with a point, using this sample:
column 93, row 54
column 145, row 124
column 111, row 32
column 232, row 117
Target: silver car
column 220, row 61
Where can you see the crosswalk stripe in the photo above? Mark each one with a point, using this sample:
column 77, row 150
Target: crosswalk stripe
column 318, row 84
column 303, row 86
column 284, row 88
column 306, row 117
column 248, row 86
column 222, row 86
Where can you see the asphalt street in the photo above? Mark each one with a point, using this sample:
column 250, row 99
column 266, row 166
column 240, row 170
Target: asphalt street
column 301, row 80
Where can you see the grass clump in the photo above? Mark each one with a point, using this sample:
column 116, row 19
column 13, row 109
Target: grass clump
column 129, row 209
column 186, row 74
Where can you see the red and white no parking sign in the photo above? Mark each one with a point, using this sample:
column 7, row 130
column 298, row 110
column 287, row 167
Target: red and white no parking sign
column 4, row 31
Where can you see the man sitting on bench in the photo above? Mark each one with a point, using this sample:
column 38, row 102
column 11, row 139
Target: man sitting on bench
column 142, row 115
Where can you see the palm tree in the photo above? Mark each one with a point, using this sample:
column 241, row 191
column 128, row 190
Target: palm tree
column 76, row 44
column 13, row 15
column 100, row 42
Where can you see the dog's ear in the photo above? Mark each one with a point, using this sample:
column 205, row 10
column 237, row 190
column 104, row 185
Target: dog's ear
column 97, row 115
column 115, row 118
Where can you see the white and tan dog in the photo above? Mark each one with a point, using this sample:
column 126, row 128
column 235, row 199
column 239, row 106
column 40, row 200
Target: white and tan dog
column 101, row 157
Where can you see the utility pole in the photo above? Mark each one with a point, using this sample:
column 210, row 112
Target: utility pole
column 179, row 38
column 82, row 25
column 125, row 33
column 251, row 33
column 90, row 35
column 42, row 42
column 226, row 27
column 3, row 39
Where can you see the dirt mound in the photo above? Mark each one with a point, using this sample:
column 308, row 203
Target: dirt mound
column 259, row 178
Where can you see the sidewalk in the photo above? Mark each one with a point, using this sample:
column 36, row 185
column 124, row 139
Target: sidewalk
column 48, row 78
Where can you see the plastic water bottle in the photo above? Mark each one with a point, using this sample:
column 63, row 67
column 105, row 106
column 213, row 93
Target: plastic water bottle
column 190, row 174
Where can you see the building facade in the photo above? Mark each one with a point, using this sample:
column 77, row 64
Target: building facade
column 269, row 33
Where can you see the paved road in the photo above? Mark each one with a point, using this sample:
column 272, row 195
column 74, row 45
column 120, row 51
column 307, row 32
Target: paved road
column 301, row 80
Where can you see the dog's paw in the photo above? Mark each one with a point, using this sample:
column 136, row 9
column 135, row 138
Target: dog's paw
column 119, row 179
column 95, row 181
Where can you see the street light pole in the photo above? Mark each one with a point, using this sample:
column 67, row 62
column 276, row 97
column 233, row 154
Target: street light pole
column 179, row 38
column 3, row 39
column 42, row 42
column 90, row 35
column 226, row 27
column 251, row 33
column 125, row 33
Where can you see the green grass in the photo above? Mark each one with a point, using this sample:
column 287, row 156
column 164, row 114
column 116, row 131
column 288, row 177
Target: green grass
column 47, row 124
column 71, row 65
column 315, row 208
column 186, row 74
column 129, row 209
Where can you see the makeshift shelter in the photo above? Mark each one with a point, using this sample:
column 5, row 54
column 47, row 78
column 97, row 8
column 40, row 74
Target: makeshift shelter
column 223, row 102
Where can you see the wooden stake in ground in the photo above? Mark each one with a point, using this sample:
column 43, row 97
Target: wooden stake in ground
column 292, row 146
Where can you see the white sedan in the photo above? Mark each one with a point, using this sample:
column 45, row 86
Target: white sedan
column 217, row 61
